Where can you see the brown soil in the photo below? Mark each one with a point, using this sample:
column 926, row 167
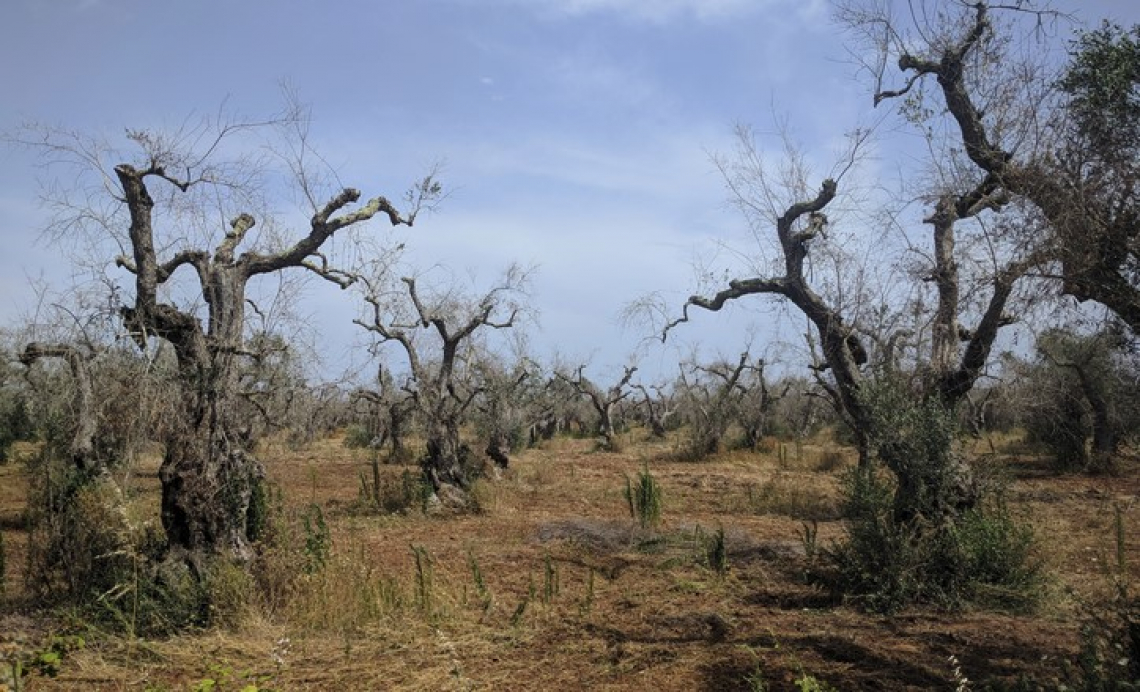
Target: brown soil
column 633, row 609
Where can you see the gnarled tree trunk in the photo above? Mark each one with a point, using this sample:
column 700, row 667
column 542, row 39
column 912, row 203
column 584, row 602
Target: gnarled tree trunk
column 210, row 480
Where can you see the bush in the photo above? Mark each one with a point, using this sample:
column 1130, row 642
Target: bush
column 983, row 557
column 644, row 498
column 15, row 423
column 358, row 437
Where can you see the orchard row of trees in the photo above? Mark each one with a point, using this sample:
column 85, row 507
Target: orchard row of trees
column 1027, row 190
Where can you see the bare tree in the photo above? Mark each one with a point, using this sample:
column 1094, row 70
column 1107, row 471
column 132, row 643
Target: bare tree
column 163, row 209
column 81, row 450
column 441, row 388
column 710, row 402
column 508, row 405
column 844, row 356
column 757, row 403
column 658, row 407
column 392, row 414
column 602, row 401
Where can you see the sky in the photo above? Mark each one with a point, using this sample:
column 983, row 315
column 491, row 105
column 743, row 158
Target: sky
column 574, row 135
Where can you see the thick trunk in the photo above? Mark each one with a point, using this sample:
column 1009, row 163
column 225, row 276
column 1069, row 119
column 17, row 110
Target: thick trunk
column 447, row 461
column 209, row 478
column 1104, row 438
column 208, row 483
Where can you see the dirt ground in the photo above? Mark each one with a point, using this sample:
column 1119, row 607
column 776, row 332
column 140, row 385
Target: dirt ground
column 553, row 586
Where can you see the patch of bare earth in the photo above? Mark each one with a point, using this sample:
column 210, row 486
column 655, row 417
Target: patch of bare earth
column 554, row 587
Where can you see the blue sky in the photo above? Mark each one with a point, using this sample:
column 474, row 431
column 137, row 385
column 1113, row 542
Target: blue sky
column 575, row 134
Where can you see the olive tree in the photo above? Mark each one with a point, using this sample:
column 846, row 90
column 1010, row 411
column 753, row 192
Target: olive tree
column 191, row 212
column 1065, row 143
column 436, row 332
column 603, row 401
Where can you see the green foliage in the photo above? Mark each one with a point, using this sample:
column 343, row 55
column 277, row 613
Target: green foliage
column 550, row 580
column 318, row 539
column 1103, row 85
column 1079, row 393
column 357, row 436
column 257, row 514
column 223, row 678
column 381, row 493
column 3, row 569
column 790, row 496
column 15, row 421
column 915, row 437
column 983, row 557
column 588, row 599
column 80, row 545
column 716, row 554
column 806, row 682
column 481, row 590
column 644, row 498
column 44, row 660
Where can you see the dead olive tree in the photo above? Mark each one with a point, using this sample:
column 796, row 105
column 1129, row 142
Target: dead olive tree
column 602, row 401
column 508, row 406
column 436, row 335
column 81, row 449
column 658, row 408
column 710, row 400
column 757, row 403
column 391, row 415
column 958, row 355
column 166, row 206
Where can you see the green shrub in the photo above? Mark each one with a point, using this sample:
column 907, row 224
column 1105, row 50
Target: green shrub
column 644, row 498
column 15, row 422
column 983, row 557
column 358, row 437
column 388, row 495
column 318, row 539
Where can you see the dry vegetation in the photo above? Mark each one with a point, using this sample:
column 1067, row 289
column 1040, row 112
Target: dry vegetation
column 554, row 586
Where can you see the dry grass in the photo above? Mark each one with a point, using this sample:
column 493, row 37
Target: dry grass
column 633, row 609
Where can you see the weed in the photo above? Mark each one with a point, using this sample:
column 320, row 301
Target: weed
column 961, row 682
column 644, row 498
column 425, row 581
column 485, row 598
column 716, row 555
column 222, row 677
column 358, row 437
column 788, row 496
column 807, row 682
column 549, row 580
column 829, row 461
column 520, row 609
column 369, row 493
column 45, row 660
column 588, row 599
column 318, row 539
column 809, row 539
